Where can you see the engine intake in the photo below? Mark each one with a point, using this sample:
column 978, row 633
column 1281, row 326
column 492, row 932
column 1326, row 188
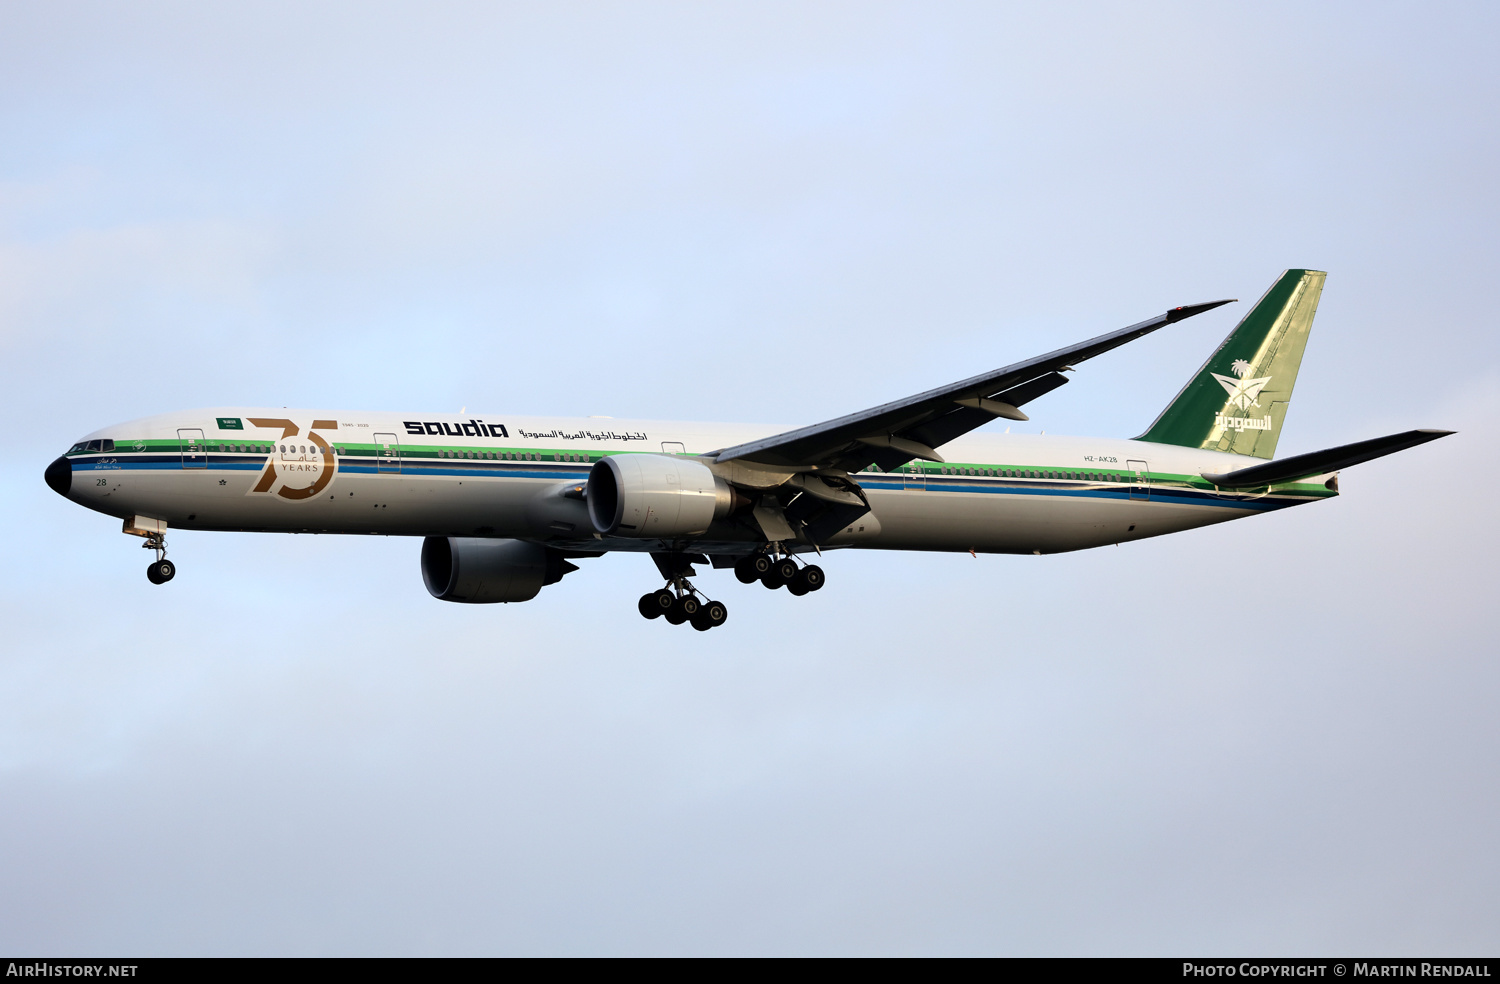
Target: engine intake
column 655, row 495
column 482, row 572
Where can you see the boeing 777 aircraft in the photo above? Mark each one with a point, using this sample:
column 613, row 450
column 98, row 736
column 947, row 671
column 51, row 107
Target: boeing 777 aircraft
column 506, row 503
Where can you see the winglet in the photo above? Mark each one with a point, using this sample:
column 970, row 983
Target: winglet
column 1188, row 310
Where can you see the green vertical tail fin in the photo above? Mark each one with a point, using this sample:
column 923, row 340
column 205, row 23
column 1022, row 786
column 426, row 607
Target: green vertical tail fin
column 1237, row 402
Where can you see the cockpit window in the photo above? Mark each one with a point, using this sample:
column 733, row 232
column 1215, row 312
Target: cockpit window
column 104, row 445
column 79, row 448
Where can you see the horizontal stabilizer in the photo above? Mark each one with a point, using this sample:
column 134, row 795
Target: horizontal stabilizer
column 1321, row 462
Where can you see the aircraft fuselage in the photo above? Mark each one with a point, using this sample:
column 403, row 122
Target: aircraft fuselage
column 301, row 471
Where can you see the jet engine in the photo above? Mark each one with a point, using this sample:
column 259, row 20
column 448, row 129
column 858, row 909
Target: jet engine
column 656, row 495
column 481, row 572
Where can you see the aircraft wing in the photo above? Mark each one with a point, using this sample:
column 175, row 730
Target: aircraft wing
column 894, row 433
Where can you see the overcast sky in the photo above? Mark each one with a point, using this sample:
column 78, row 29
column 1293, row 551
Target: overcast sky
column 1273, row 736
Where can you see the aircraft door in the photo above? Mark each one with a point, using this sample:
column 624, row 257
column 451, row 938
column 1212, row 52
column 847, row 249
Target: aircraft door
column 387, row 453
column 912, row 476
column 194, row 454
column 1140, row 488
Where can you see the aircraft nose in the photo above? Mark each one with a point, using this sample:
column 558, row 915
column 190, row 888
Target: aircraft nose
column 59, row 475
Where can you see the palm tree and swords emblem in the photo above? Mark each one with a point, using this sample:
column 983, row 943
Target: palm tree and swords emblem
column 1243, row 391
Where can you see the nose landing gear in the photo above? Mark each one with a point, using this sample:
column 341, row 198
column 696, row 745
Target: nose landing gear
column 161, row 570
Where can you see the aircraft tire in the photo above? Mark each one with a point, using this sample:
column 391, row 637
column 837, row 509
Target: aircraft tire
column 779, row 574
column 813, row 576
column 798, row 585
column 745, row 571
column 683, row 609
column 660, row 602
column 161, row 571
column 710, row 616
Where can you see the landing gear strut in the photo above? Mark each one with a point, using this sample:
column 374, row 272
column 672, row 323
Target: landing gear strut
column 774, row 573
column 161, row 570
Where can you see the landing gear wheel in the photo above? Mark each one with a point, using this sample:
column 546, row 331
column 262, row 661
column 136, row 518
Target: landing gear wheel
column 161, row 571
column 683, row 609
column 745, row 570
column 656, row 603
column 798, row 585
column 780, row 573
column 710, row 616
column 812, row 576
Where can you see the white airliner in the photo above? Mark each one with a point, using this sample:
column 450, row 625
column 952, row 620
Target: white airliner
column 505, row 503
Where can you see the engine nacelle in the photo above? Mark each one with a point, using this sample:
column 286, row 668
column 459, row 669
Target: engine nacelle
column 655, row 495
column 482, row 571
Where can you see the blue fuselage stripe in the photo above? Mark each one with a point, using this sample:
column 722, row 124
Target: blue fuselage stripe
column 561, row 471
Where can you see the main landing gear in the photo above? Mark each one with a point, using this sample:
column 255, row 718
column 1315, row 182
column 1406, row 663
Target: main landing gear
column 773, row 565
column 679, row 602
column 779, row 573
